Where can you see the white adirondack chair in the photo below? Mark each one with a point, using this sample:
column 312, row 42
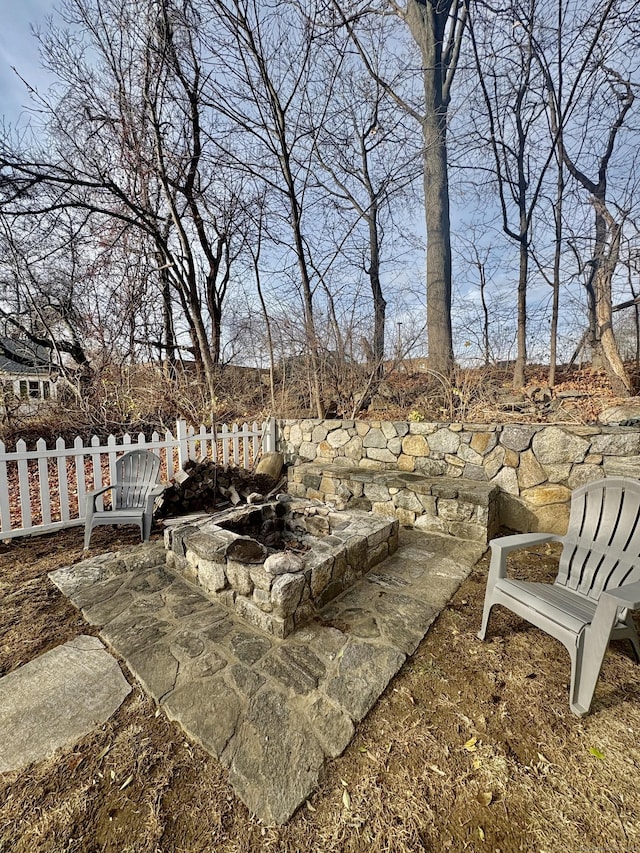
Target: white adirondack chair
column 134, row 493
column 597, row 586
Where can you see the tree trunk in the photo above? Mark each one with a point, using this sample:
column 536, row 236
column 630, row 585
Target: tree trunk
column 168, row 333
column 557, row 255
column 604, row 264
column 521, row 357
column 427, row 22
column 379, row 303
column 436, row 196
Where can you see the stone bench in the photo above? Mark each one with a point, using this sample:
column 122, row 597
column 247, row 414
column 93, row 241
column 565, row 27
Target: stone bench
column 468, row 509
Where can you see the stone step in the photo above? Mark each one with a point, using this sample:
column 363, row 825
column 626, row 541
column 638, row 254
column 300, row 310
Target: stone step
column 468, row 509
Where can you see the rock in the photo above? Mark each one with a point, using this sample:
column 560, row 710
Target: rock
column 286, row 593
column 381, row 454
column 271, row 465
column 330, row 725
column 283, row 562
column 581, row 474
column 406, row 463
column 553, row 446
column 353, row 448
column 517, row 437
column 208, row 710
column 558, row 473
column 530, row 472
column 296, row 667
column 468, row 454
column 376, row 492
column 507, row 479
column 338, row 438
column 56, row 699
column 239, row 577
column 444, row 441
column 415, row 445
column 553, row 518
column 308, row 450
column 617, row 444
column 246, row 550
column 375, row 438
column 622, row 466
column 494, row 461
column 483, row 442
column 627, row 411
column 544, row 495
column 363, row 672
column 319, row 433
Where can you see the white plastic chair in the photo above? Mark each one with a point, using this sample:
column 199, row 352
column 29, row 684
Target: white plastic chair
column 598, row 581
column 134, row 494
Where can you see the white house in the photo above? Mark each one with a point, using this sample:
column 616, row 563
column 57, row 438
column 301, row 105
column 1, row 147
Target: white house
column 26, row 377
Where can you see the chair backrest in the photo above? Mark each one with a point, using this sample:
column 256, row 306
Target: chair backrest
column 602, row 544
column 136, row 473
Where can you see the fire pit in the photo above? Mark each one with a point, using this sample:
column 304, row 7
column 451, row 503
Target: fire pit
column 276, row 565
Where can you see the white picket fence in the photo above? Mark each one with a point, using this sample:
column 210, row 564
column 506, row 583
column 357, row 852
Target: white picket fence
column 45, row 489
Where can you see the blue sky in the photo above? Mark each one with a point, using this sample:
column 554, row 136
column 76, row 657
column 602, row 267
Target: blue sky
column 18, row 48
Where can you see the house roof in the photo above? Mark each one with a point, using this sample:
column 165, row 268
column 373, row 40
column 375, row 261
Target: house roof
column 23, row 357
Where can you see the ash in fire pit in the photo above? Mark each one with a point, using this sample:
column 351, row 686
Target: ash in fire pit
column 278, row 564
column 267, row 527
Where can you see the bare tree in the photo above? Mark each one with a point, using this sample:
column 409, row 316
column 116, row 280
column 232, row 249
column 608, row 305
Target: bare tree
column 517, row 134
column 437, row 27
column 588, row 122
column 371, row 161
column 127, row 144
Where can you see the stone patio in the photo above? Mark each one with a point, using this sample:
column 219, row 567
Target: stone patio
column 271, row 710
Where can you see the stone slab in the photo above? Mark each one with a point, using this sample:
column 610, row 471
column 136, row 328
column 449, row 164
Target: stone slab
column 56, row 699
column 274, row 710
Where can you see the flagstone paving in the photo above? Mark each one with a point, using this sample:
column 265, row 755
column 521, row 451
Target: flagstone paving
column 272, row 711
column 55, row 699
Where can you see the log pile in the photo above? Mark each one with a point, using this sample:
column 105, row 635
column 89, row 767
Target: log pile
column 206, row 487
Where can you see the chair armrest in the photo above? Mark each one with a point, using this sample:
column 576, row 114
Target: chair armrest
column 627, row 595
column 152, row 494
column 503, row 545
column 91, row 499
column 522, row 540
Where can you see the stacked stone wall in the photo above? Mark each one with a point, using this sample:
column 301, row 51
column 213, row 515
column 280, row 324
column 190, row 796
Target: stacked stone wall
column 536, row 466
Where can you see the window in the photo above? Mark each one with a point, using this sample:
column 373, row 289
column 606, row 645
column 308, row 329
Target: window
column 34, row 389
column 23, row 389
column 46, row 390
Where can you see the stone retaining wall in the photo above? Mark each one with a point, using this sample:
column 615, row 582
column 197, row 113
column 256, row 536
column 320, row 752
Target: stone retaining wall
column 535, row 465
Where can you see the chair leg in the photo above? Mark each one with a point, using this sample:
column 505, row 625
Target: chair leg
column 585, row 670
column 591, row 645
column 632, row 636
column 145, row 526
column 486, row 613
column 88, row 528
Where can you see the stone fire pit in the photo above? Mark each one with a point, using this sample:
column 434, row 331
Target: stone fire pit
column 278, row 564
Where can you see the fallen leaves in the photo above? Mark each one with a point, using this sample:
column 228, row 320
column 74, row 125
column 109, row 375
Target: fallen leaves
column 471, row 744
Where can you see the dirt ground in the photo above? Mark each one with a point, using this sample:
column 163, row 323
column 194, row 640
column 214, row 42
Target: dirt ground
column 472, row 747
